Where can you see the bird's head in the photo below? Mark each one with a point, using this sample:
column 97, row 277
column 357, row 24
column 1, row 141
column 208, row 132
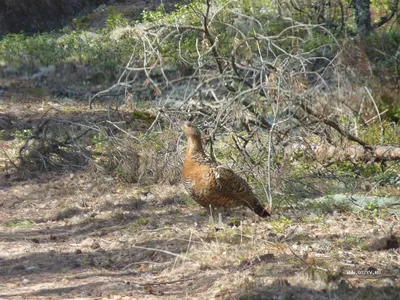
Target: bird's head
column 190, row 129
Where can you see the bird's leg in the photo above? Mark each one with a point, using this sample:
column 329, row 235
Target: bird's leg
column 214, row 211
column 210, row 213
column 220, row 219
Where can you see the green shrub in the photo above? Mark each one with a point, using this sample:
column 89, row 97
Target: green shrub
column 383, row 50
column 372, row 133
column 21, row 50
column 86, row 47
column 115, row 20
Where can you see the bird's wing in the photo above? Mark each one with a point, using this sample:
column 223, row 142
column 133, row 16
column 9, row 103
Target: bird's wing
column 231, row 184
column 235, row 187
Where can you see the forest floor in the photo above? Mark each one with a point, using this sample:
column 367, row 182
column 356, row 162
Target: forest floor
column 83, row 236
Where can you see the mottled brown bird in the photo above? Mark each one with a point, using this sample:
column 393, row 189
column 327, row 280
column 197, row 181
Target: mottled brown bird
column 210, row 183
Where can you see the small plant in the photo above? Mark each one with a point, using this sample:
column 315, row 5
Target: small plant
column 22, row 134
column 315, row 40
column 314, row 219
column 371, row 206
column 203, row 213
column 349, row 242
column 67, row 213
column 316, row 272
column 23, row 223
column 295, row 261
column 142, row 221
column 226, row 235
column 39, row 92
column 81, row 23
column 100, row 140
column 373, row 133
column 115, row 20
column 386, row 178
column 327, row 205
column 281, row 224
column 190, row 202
column 153, row 16
column 372, row 209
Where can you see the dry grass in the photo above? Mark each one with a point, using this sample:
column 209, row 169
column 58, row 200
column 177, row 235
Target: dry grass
column 97, row 233
column 154, row 159
column 123, row 241
column 53, row 135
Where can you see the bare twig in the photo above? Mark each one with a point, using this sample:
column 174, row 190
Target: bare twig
column 184, row 257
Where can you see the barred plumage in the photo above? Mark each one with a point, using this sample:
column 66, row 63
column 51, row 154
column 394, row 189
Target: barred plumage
column 211, row 184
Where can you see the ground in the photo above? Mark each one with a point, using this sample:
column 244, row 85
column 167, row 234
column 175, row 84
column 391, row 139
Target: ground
column 78, row 235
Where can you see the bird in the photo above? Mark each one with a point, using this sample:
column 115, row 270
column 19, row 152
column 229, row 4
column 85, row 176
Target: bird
column 212, row 184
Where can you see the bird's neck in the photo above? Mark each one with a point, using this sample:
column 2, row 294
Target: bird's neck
column 195, row 146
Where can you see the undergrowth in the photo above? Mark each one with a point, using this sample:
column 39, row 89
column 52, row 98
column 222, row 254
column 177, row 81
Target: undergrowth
column 153, row 159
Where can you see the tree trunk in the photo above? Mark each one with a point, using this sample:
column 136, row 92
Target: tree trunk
column 363, row 17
